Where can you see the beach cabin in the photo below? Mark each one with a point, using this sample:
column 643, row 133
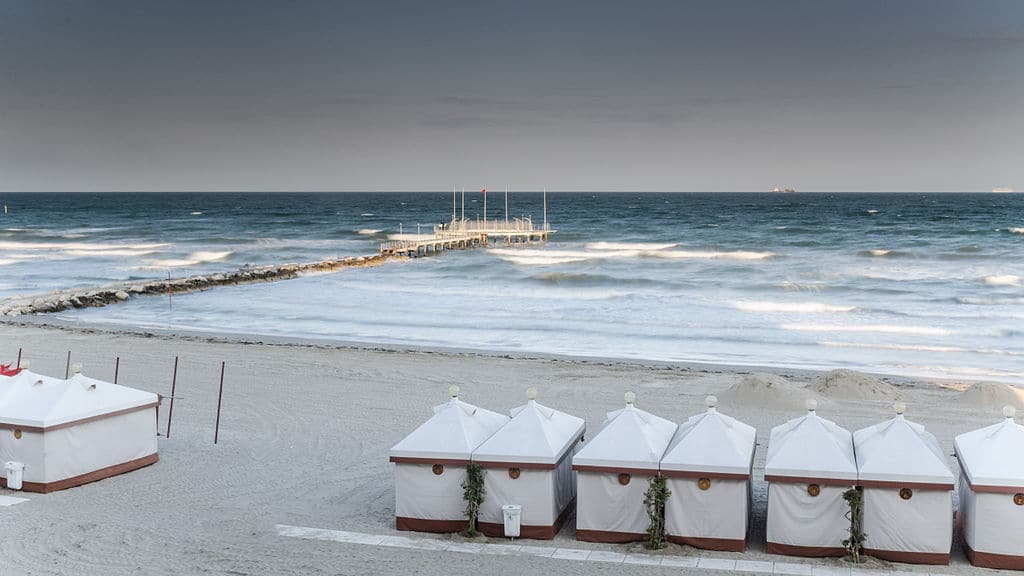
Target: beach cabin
column 708, row 466
column 991, row 512
column 908, row 488
column 810, row 464
column 528, row 462
column 430, row 465
column 614, row 469
column 63, row 433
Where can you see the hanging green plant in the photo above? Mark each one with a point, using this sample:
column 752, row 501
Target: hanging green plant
column 855, row 543
column 473, row 493
column 654, row 500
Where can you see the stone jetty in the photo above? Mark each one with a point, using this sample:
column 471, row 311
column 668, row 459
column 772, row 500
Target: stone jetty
column 113, row 293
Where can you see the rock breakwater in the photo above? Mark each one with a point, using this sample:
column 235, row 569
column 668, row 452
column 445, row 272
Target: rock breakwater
column 59, row 300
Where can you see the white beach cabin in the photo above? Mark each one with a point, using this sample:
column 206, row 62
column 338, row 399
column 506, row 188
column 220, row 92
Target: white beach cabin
column 708, row 467
column 430, row 465
column 992, row 493
column 907, row 492
column 810, row 464
column 614, row 469
column 528, row 462
column 70, row 432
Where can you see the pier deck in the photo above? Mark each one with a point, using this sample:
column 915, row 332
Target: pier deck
column 464, row 234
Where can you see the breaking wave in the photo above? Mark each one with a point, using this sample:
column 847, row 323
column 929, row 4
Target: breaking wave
column 791, row 307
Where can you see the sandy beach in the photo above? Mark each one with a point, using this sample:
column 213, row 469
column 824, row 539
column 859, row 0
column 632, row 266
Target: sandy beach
column 304, row 436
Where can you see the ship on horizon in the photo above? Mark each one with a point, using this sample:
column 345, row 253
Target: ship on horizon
column 1003, row 189
column 786, row 190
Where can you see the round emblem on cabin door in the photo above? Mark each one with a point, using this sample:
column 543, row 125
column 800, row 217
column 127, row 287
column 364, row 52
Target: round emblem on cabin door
column 906, row 493
column 624, row 479
column 813, row 490
column 513, row 473
column 438, row 469
column 1018, row 499
column 704, row 483
column 17, row 434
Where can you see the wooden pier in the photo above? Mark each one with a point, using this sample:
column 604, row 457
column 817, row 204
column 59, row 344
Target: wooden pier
column 465, row 234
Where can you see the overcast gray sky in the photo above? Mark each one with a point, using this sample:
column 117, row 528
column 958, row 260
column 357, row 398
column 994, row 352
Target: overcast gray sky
column 383, row 95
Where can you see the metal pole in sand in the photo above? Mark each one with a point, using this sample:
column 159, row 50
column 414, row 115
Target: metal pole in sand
column 117, row 368
column 67, row 370
column 170, row 410
column 216, row 430
column 18, row 365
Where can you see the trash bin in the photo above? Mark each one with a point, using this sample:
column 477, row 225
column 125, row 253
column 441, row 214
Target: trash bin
column 512, row 513
column 15, row 470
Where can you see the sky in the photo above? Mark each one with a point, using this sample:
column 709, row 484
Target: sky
column 721, row 95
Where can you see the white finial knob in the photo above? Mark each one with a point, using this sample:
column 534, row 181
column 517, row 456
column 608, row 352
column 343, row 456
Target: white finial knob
column 630, row 397
column 899, row 407
column 811, row 404
column 1009, row 411
column 24, row 364
column 76, row 368
column 453, row 391
column 711, row 401
column 531, row 393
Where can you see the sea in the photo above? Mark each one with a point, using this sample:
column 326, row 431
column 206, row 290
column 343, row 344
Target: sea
column 926, row 285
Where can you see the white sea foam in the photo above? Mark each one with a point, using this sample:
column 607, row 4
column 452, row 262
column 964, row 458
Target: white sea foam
column 710, row 255
column 872, row 211
column 126, row 252
column 920, row 348
column 869, row 328
column 196, row 213
column 641, row 246
column 1002, row 280
column 791, row 307
column 192, row 259
column 880, row 252
column 366, row 214
column 80, row 246
column 1017, row 230
column 368, row 231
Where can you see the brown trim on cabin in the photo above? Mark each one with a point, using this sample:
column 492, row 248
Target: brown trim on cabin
column 809, row 480
column 442, row 461
column 805, row 551
column 711, row 475
column 995, row 489
column 614, row 470
column 521, row 465
column 4, row 425
column 993, row 560
column 495, row 530
column 723, row 544
column 892, row 484
column 47, row 487
column 436, row 526
column 608, row 537
column 933, row 558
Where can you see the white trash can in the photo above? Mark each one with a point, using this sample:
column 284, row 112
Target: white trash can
column 512, row 513
column 14, row 471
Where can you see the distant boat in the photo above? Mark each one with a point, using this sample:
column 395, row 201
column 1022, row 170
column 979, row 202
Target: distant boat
column 1003, row 189
column 786, row 190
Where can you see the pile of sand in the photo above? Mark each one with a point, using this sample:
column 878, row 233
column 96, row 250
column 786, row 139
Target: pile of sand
column 993, row 395
column 851, row 385
column 768, row 391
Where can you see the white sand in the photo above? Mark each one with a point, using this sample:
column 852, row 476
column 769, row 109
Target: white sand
column 304, row 437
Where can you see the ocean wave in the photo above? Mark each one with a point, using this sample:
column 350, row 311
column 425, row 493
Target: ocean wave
column 710, row 255
column 882, row 253
column 791, row 307
column 108, row 253
column 872, row 211
column 639, row 246
column 1002, row 280
column 80, row 246
column 366, row 214
column 192, row 259
column 195, row 213
column 1016, row 230
column 368, row 231
column 869, row 328
column 920, row 348
column 974, row 301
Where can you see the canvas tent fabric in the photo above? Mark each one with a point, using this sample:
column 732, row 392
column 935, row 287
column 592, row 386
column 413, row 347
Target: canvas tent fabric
column 992, row 494
column 907, row 488
column 74, row 431
column 528, row 462
column 708, row 467
column 810, row 464
column 430, row 466
column 613, row 471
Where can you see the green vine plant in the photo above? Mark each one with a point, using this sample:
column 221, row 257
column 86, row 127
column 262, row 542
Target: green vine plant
column 654, row 500
column 473, row 493
column 855, row 543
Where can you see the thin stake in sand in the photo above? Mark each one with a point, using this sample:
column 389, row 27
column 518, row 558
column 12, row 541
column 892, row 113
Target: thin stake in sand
column 174, row 384
column 67, row 369
column 117, row 368
column 220, row 394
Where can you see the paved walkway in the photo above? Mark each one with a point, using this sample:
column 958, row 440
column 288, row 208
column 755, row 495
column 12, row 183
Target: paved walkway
column 588, row 555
